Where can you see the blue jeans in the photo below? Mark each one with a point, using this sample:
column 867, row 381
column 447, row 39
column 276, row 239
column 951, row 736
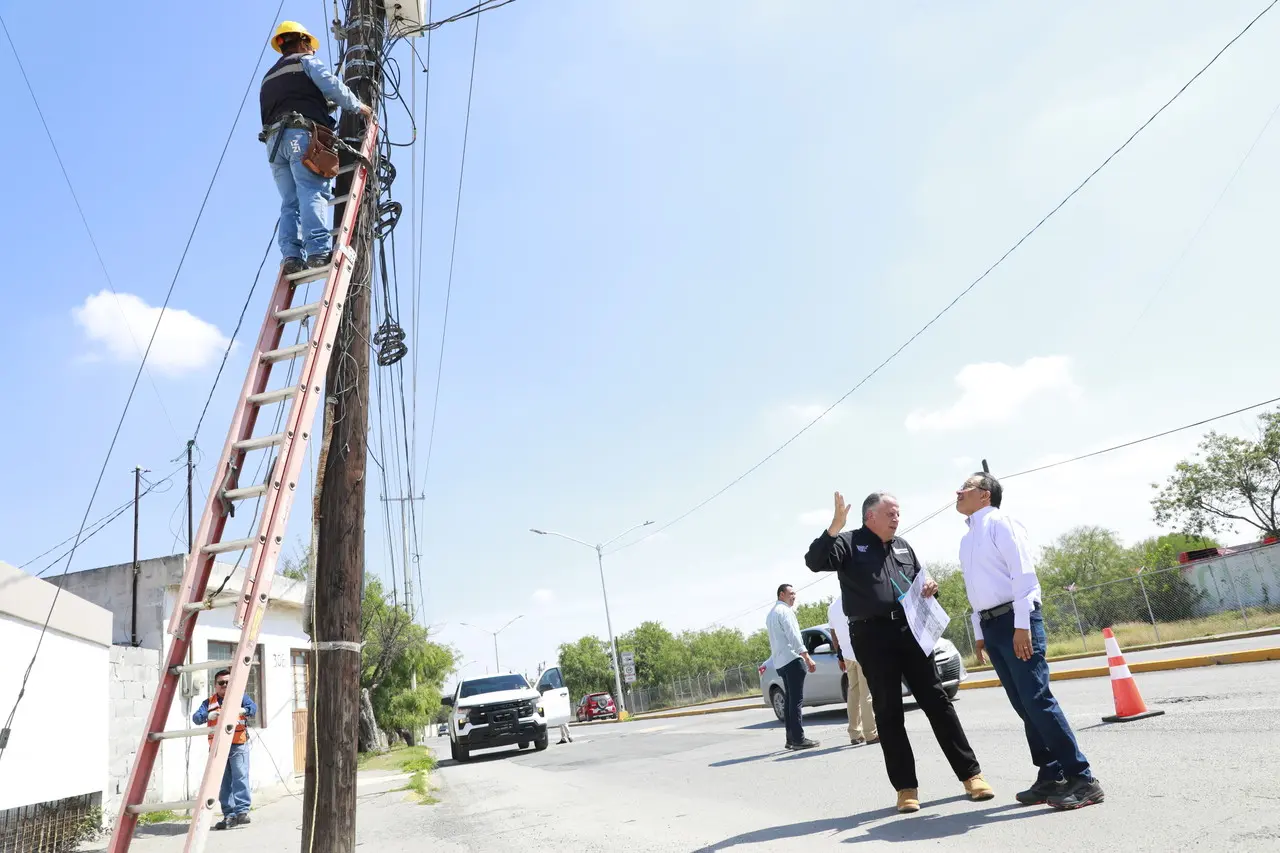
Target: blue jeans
column 304, row 197
column 793, row 682
column 235, row 782
column 1053, row 745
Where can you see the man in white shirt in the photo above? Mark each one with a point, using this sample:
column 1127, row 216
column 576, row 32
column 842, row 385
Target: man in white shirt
column 857, row 696
column 791, row 659
column 1000, row 578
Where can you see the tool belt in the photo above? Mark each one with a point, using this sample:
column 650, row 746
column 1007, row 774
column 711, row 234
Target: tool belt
column 321, row 155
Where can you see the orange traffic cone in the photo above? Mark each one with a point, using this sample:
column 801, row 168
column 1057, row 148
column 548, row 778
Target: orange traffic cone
column 1129, row 704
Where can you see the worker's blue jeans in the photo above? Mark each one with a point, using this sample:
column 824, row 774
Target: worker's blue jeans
column 234, row 795
column 304, row 197
column 1053, row 745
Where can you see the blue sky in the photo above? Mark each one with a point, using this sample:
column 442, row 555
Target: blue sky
column 683, row 232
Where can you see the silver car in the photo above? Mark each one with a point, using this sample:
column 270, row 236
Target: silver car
column 828, row 685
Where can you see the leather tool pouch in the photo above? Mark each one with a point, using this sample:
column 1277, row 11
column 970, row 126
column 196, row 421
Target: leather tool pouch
column 320, row 156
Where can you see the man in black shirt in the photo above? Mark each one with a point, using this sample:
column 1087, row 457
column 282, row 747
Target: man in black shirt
column 875, row 568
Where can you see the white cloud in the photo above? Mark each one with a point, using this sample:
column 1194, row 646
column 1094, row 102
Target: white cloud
column 814, row 518
column 543, row 596
column 122, row 326
column 992, row 392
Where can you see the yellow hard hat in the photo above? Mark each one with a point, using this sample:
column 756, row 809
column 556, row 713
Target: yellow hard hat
column 287, row 27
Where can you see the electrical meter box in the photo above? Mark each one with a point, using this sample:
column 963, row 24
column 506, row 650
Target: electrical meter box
column 405, row 16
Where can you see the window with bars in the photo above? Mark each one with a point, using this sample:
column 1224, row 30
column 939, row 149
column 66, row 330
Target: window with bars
column 254, row 688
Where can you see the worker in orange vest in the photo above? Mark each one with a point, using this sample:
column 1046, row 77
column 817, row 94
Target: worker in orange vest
column 235, row 780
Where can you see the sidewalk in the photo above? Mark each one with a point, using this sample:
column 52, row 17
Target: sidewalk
column 277, row 823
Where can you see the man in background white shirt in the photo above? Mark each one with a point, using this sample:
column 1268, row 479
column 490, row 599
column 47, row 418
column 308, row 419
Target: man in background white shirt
column 1000, row 579
column 862, row 718
column 791, row 659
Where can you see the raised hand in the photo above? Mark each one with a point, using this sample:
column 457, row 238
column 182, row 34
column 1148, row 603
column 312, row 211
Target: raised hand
column 841, row 516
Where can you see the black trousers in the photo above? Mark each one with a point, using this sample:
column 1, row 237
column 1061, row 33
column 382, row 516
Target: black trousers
column 889, row 654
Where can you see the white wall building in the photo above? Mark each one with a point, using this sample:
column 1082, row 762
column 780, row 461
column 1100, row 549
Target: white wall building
column 57, row 745
column 277, row 683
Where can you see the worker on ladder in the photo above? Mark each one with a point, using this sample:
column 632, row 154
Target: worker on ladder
column 296, row 99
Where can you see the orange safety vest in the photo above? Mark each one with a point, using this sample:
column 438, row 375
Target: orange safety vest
column 242, row 732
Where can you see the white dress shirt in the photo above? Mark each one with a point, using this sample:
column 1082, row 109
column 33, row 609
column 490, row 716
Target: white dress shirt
column 840, row 624
column 998, row 567
column 785, row 642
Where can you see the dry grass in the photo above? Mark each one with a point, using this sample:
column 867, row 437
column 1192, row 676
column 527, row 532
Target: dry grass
column 1130, row 634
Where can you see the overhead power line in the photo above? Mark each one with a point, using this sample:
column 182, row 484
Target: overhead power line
column 950, row 505
column 962, row 294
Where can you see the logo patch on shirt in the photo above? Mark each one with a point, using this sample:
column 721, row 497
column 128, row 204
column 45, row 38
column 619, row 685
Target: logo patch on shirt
column 862, row 549
column 901, row 553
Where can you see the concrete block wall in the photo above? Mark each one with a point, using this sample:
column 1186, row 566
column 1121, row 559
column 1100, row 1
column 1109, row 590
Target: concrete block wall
column 134, row 676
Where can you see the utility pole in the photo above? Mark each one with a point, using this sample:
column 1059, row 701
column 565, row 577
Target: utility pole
column 191, row 536
column 404, row 544
column 333, row 717
column 137, row 500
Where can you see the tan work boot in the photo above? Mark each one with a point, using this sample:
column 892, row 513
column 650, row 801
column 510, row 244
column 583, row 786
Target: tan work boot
column 908, row 800
column 978, row 789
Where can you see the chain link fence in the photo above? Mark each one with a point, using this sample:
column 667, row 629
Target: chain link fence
column 1239, row 591
column 730, row 683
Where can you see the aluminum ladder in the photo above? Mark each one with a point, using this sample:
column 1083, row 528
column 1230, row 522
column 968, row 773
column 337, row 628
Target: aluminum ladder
column 276, row 494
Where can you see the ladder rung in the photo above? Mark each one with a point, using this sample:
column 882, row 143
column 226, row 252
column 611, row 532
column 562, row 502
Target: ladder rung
column 242, row 494
column 285, row 353
column 175, row 806
column 288, row 315
column 311, row 274
column 203, row 730
column 340, row 199
column 201, row 666
column 260, row 442
column 223, row 601
column 266, row 398
column 229, row 545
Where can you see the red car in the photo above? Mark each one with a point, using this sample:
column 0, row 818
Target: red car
column 596, row 706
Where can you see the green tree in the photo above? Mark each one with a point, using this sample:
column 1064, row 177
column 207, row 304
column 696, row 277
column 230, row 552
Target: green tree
column 396, row 651
column 758, row 650
column 951, row 591
column 1229, row 479
column 586, row 668
column 716, row 649
column 1081, row 559
column 659, row 655
column 814, row 613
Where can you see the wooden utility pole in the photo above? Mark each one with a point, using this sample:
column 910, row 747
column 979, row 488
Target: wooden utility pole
column 133, row 610
column 333, row 715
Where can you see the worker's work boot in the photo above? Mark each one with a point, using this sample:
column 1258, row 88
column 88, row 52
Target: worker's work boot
column 291, row 266
column 321, row 260
column 908, row 800
column 978, row 789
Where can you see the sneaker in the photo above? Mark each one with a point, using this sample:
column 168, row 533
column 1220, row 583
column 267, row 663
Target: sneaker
column 292, row 265
column 807, row 743
column 225, row 823
column 242, row 820
column 978, row 789
column 908, row 800
column 1077, row 793
column 1041, row 791
column 321, row 260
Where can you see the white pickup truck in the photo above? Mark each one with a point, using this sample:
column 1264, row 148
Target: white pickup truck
column 500, row 710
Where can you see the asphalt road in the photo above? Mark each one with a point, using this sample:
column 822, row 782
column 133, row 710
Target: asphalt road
column 1206, row 775
column 1217, row 647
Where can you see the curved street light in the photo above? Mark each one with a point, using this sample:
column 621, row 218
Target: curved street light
column 496, row 666
column 599, row 549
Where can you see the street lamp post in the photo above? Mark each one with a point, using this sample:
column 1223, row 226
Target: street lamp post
column 599, row 549
column 497, row 667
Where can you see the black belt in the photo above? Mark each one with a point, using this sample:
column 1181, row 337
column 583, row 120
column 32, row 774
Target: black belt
column 1000, row 610
column 895, row 615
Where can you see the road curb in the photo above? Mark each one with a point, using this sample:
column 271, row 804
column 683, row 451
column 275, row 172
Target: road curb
column 1225, row 658
column 1170, row 644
